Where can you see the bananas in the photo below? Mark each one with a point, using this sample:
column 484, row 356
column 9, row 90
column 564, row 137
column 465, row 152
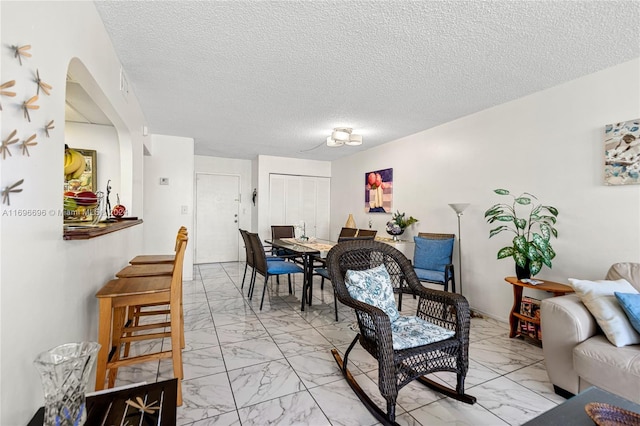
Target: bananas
column 74, row 164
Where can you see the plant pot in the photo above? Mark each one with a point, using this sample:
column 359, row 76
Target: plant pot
column 523, row 273
column 396, row 234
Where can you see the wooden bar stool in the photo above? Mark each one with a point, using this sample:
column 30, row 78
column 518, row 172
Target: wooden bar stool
column 113, row 332
column 150, row 270
column 146, row 259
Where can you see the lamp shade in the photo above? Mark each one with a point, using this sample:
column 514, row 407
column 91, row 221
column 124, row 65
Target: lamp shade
column 334, row 143
column 354, row 140
column 340, row 135
column 459, row 207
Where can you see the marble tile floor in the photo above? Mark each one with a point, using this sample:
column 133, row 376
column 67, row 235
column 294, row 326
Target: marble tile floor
column 243, row 366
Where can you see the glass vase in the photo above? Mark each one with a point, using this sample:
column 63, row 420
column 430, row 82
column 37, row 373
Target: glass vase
column 64, row 371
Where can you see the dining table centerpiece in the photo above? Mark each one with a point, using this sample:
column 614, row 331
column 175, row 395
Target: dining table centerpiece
column 398, row 223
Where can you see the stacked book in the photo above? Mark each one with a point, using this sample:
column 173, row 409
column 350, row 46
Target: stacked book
column 530, row 307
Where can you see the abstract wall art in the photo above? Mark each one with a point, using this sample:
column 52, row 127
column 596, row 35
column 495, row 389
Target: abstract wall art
column 378, row 192
column 622, row 153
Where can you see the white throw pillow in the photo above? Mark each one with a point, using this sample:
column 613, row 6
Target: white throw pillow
column 599, row 298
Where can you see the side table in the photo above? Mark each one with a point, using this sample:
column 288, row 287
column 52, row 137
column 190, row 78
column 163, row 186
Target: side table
column 552, row 287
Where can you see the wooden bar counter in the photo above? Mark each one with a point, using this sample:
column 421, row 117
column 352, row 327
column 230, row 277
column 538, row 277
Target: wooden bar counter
column 86, row 231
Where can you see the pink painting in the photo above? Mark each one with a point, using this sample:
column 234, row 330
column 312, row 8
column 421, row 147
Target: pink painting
column 378, row 192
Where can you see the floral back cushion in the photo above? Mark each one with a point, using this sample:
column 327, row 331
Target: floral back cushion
column 373, row 287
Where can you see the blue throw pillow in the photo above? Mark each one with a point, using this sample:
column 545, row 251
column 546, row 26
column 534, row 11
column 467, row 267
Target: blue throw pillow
column 433, row 255
column 631, row 305
column 373, row 287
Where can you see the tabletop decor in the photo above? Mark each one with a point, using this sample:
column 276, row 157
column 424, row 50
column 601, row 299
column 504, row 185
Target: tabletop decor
column 529, row 249
column 65, row 371
column 604, row 414
column 302, row 228
column 398, row 223
column 351, row 222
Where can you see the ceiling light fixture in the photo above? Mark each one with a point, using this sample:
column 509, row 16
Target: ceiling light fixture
column 343, row 135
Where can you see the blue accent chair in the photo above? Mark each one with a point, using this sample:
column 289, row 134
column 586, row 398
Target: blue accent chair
column 432, row 259
column 268, row 268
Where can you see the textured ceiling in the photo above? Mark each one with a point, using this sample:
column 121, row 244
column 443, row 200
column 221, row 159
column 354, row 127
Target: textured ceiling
column 274, row 77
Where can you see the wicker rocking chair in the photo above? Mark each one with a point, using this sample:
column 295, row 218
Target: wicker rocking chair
column 445, row 314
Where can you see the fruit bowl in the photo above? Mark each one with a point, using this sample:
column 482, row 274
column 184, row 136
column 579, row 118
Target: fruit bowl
column 83, row 206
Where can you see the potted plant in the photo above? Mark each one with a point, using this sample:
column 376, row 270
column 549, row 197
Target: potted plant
column 398, row 223
column 531, row 245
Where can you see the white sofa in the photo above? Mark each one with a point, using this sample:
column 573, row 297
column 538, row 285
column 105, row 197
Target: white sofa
column 578, row 355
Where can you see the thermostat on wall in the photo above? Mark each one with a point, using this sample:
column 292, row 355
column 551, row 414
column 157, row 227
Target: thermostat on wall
column 164, row 181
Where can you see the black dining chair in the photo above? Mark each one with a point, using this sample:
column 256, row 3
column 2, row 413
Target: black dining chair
column 250, row 258
column 324, row 272
column 279, row 232
column 268, row 269
column 367, row 233
column 348, row 232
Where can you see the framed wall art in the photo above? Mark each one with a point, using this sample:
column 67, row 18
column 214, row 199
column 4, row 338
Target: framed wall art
column 378, row 193
column 622, row 153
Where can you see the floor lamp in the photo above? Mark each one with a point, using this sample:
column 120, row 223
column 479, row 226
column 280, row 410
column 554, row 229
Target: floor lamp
column 459, row 208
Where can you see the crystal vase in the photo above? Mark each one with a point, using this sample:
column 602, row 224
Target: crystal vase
column 64, row 371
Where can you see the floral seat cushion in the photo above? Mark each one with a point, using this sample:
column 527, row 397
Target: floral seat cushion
column 373, row 287
column 411, row 332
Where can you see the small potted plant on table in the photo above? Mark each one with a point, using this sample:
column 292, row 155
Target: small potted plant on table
column 398, row 223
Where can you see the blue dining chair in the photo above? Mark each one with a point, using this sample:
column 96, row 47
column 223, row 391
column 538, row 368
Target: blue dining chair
column 432, row 259
column 249, row 257
column 268, row 268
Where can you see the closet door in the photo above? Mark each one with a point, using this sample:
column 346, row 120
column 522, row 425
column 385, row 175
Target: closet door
column 323, row 207
column 309, row 204
column 277, row 209
column 293, row 210
column 293, row 199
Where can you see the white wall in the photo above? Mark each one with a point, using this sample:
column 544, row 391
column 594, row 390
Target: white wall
column 48, row 285
column 288, row 166
column 104, row 140
column 235, row 167
column 171, row 157
column 549, row 144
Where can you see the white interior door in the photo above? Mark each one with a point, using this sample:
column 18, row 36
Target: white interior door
column 217, row 209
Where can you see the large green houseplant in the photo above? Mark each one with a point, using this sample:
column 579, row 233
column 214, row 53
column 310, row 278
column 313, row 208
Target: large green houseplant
column 533, row 225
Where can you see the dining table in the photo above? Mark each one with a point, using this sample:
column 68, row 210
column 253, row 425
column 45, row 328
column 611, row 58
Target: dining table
column 308, row 250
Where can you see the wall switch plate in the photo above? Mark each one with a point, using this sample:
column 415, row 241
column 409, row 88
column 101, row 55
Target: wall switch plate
column 164, row 181
column 184, row 209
